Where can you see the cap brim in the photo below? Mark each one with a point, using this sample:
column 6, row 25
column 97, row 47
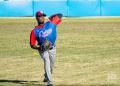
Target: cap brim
column 41, row 15
column 44, row 14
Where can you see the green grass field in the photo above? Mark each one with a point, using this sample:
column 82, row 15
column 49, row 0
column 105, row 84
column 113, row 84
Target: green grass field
column 88, row 53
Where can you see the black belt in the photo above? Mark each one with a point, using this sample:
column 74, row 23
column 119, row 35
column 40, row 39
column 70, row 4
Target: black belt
column 52, row 47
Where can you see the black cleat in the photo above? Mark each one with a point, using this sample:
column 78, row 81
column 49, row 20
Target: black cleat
column 45, row 80
column 50, row 85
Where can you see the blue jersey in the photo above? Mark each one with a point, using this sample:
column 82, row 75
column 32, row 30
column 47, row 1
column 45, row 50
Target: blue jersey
column 48, row 31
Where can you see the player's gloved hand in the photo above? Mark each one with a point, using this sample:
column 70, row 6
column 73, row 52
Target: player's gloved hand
column 41, row 48
column 46, row 45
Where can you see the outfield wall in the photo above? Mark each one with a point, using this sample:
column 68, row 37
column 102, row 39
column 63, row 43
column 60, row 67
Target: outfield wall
column 70, row 8
column 16, row 8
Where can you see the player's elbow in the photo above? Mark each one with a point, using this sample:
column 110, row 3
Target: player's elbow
column 32, row 46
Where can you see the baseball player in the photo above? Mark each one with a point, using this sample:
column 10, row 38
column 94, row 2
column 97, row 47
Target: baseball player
column 45, row 35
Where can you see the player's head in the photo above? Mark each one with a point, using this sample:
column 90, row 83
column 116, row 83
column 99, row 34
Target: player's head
column 40, row 17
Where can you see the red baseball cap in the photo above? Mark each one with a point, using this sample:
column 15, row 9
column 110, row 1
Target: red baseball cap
column 40, row 13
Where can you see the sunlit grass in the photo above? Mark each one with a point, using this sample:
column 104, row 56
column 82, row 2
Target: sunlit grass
column 87, row 53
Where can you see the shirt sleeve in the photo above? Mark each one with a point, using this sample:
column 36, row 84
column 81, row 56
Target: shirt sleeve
column 56, row 19
column 32, row 38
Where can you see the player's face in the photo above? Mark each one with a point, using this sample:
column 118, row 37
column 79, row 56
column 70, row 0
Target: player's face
column 41, row 19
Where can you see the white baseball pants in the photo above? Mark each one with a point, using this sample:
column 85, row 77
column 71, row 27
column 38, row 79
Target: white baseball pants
column 49, row 58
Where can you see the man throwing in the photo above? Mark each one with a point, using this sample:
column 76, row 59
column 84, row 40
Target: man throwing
column 45, row 35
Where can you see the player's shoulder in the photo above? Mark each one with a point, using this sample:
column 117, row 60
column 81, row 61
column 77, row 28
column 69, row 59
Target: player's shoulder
column 49, row 23
column 34, row 28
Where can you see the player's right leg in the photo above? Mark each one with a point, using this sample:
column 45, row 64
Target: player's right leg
column 45, row 57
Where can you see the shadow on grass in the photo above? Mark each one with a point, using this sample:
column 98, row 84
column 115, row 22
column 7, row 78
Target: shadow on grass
column 23, row 82
column 37, row 83
column 89, row 85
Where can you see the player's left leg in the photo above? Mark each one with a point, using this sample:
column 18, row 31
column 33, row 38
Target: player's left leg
column 52, row 56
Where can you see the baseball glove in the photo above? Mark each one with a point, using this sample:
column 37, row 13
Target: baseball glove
column 46, row 45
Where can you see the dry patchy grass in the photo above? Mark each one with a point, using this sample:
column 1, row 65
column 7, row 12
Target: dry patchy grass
column 87, row 53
